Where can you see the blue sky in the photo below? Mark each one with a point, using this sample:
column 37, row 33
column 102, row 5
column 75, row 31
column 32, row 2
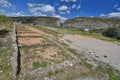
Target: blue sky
column 63, row 9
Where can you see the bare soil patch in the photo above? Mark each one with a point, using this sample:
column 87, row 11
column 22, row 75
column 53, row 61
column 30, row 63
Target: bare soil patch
column 29, row 40
column 50, row 54
column 78, row 37
column 28, row 34
column 35, row 30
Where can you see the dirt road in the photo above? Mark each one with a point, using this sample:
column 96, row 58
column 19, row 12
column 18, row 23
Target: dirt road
column 107, row 52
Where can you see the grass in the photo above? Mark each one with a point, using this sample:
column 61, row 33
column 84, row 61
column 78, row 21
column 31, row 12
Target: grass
column 94, row 35
column 56, row 31
column 89, row 66
column 38, row 64
column 5, row 68
column 108, row 70
column 46, row 29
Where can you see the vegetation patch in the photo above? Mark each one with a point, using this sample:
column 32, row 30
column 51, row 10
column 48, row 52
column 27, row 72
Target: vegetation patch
column 112, row 32
column 109, row 71
column 38, row 64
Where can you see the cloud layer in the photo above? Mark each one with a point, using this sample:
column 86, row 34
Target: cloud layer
column 69, row 0
column 64, row 9
column 6, row 4
column 40, row 9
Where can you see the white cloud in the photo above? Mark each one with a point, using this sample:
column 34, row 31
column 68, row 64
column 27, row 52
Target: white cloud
column 79, row 6
column 63, row 9
column 111, row 15
column 102, row 15
column 40, row 9
column 21, row 13
column 6, row 4
column 62, row 19
column 69, row 0
column 73, row 6
column 91, row 16
column 118, row 9
column 73, row 0
column 114, row 14
column 116, row 5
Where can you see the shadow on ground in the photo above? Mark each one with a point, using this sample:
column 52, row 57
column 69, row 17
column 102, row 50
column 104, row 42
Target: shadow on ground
column 3, row 32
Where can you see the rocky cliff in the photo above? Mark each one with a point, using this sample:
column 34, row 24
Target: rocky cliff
column 91, row 23
column 44, row 21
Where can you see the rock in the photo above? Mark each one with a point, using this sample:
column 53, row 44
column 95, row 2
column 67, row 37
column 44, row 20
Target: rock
column 90, row 23
column 43, row 21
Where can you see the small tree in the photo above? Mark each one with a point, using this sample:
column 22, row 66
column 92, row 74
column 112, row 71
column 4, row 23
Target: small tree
column 110, row 32
column 118, row 35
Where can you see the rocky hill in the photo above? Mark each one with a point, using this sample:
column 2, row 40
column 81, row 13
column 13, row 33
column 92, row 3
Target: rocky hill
column 91, row 23
column 44, row 21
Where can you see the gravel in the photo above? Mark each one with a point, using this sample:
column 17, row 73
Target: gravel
column 107, row 52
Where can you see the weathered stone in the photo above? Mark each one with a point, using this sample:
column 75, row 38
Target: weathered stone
column 91, row 23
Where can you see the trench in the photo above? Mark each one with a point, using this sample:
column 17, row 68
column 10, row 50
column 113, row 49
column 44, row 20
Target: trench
column 18, row 57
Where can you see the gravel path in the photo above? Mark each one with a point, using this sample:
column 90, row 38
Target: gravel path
column 107, row 52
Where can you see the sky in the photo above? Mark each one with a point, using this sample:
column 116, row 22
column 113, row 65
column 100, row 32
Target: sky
column 63, row 9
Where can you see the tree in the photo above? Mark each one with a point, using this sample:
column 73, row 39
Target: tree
column 110, row 32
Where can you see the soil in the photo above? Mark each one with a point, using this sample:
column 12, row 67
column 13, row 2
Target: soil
column 29, row 40
column 51, row 53
column 28, row 34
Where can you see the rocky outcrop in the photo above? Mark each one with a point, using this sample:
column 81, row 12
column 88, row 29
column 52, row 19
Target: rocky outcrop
column 44, row 21
column 91, row 23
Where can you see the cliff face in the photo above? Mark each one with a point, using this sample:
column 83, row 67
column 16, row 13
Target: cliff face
column 44, row 21
column 51, row 22
column 91, row 23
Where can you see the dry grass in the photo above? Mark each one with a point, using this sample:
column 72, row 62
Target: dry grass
column 29, row 40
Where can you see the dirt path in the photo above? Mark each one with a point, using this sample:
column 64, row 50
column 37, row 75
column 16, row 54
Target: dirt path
column 107, row 52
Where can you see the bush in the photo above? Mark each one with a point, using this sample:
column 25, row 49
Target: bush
column 112, row 32
column 39, row 64
column 118, row 35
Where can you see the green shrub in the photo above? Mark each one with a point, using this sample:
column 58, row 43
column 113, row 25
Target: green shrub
column 38, row 64
column 118, row 35
column 112, row 32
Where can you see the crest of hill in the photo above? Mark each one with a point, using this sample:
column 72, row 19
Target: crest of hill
column 91, row 23
column 38, row 20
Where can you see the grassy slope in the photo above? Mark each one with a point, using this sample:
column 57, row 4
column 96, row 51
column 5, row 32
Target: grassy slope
column 5, row 49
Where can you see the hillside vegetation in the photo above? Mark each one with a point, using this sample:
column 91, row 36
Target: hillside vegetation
column 5, row 22
column 5, row 47
column 91, row 23
column 44, row 21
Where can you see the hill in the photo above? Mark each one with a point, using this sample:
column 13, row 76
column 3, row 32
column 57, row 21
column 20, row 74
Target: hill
column 91, row 23
column 38, row 20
